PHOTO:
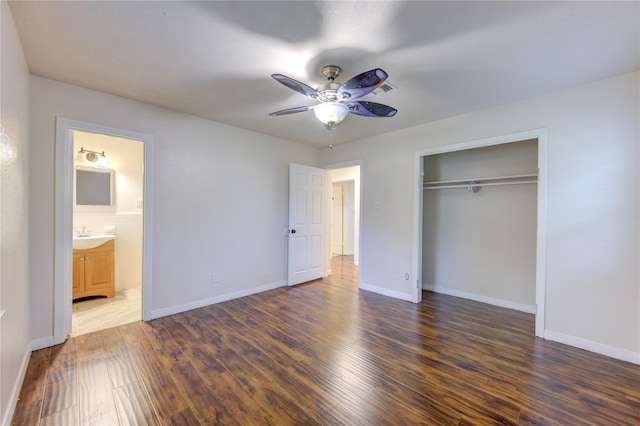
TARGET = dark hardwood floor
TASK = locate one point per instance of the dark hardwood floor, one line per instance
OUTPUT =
(327, 353)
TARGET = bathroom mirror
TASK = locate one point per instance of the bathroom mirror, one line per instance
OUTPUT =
(94, 187)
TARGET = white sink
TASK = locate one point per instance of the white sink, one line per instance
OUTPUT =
(91, 241)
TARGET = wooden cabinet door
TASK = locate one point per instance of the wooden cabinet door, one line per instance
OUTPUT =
(94, 271)
(78, 274)
(98, 273)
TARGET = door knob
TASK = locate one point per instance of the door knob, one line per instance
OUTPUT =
(293, 231)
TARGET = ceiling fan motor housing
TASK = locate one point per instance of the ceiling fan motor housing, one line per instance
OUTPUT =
(328, 92)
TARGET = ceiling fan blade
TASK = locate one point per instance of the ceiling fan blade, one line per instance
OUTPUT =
(296, 85)
(362, 84)
(292, 110)
(371, 109)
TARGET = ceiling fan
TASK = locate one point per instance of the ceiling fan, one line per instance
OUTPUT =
(337, 100)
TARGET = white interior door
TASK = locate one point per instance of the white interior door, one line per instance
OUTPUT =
(307, 187)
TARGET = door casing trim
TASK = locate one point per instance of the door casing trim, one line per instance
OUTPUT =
(63, 219)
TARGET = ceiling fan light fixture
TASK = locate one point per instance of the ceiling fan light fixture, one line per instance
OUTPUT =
(336, 99)
(331, 113)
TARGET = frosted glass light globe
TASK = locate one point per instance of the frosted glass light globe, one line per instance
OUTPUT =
(331, 112)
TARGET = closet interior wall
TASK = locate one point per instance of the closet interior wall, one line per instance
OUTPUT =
(482, 245)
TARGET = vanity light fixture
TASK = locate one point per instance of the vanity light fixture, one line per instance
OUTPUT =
(96, 157)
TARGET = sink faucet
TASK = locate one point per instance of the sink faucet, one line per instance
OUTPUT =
(84, 233)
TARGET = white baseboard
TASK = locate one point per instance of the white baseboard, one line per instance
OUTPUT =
(17, 386)
(591, 346)
(46, 342)
(530, 309)
(578, 342)
(212, 301)
(387, 292)
(42, 343)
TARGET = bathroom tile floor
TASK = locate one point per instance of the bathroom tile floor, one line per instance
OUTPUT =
(95, 314)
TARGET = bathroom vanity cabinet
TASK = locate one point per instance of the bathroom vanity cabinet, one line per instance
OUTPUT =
(94, 271)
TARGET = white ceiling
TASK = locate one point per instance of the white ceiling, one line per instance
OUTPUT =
(214, 59)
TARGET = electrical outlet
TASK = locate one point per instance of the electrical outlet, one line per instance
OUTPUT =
(215, 277)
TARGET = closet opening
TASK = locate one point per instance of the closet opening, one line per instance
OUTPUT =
(481, 222)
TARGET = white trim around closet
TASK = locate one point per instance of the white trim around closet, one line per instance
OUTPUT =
(541, 236)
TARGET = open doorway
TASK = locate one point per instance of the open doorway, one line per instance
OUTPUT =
(342, 219)
(66, 131)
(107, 271)
(344, 214)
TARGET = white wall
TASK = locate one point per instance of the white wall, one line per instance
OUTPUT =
(482, 245)
(14, 216)
(126, 158)
(220, 199)
(342, 219)
(592, 274)
(349, 216)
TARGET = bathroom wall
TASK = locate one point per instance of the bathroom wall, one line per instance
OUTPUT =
(126, 159)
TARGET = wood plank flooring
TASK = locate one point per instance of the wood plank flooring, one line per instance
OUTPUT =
(327, 353)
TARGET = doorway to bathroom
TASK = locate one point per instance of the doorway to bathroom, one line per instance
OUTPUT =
(123, 220)
(107, 271)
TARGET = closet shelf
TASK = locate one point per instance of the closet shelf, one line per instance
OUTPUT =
(474, 183)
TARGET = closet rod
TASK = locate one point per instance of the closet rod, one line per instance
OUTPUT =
(521, 177)
(477, 185)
